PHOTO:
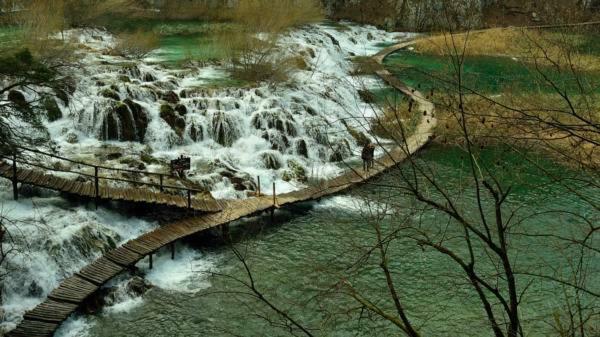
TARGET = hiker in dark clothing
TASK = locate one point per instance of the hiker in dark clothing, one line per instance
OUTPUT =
(368, 156)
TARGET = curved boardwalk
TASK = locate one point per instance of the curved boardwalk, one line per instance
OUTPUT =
(63, 301)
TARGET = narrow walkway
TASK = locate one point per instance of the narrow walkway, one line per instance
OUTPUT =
(96, 183)
(63, 301)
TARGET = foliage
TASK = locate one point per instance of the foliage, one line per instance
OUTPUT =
(276, 16)
(136, 45)
(18, 71)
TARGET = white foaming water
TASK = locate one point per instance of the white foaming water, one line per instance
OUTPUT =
(53, 240)
(187, 273)
(246, 132)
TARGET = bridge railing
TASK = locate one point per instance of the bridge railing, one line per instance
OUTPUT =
(100, 172)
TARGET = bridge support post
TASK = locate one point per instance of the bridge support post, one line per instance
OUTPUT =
(173, 250)
(225, 231)
(274, 203)
(150, 262)
(189, 199)
(14, 178)
(96, 186)
(161, 178)
(258, 185)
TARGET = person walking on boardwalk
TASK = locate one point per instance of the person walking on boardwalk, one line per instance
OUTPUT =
(368, 156)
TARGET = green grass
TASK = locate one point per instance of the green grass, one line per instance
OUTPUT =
(486, 74)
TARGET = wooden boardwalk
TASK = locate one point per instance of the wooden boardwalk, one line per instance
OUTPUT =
(186, 199)
(44, 319)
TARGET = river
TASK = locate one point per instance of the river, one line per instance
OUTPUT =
(312, 247)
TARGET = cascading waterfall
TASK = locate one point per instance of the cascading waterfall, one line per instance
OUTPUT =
(128, 108)
(172, 112)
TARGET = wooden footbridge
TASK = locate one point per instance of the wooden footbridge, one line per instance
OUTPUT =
(94, 181)
(44, 319)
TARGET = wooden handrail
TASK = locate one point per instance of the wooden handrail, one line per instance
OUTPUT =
(96, 168)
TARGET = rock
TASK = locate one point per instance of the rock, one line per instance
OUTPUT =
(110, 93)
(141, 166)
(17, 98)
(149, 77)
(310, 110)
(196, 133)
(333, 39)
(295, 172)
(171, 97)
(127, 125)
(52, 110)
(124, 78)
(110, 127)
(137, 286)
(271, 160)
(181, 109)
(172, 118)
(366, 96)
(301, 148)
(35, 290)
(140, 118)
(340, 151)
(72, 138)
(224, 128)
(114, 155)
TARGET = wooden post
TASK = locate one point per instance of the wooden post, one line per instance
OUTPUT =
(274, 203)
(225, 231)
(14, 180)
(96, 185)
(173, 250)
(189, 199)
(258, 179)
(161, 183)
(151, 264)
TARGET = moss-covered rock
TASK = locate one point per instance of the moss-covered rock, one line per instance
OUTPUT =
(140, 118)
(110, 93)
(295, 172)
(52, 109)
(169, 115)
(271, 160)
(171, 97)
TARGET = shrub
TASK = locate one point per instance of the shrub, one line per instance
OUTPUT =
(136, 45)
(276, 16)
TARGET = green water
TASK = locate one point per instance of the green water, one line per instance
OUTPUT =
(484, 74)
(314, 246)
(192, 47)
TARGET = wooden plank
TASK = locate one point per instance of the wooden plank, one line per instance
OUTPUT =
(140, 247)
(100, 271)
(31, 328)
(51, 311)
(123, 256)
(74, 289)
